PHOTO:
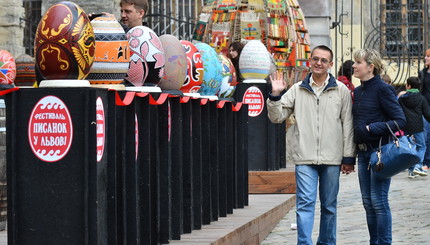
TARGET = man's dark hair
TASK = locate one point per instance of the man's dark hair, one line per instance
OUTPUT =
(414, 82)
(323, 47)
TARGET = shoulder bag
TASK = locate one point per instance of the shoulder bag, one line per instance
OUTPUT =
(397, 155)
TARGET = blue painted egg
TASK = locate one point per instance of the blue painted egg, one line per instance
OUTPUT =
(212, 70)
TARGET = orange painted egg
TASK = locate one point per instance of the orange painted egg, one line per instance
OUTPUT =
(7, 68)
(25, 73)
(195, 70)
(112, 55)
(64, 45)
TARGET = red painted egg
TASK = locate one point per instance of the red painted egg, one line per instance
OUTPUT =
(147, 57)
(7, 68)
(195, 70)
(25, 73)
(64, 45)
(176, 63)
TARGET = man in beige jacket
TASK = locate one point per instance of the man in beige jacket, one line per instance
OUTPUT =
(322, 143)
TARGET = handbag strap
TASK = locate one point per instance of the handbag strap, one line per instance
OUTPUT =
(391, 131)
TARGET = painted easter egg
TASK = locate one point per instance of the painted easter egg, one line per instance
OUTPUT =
(255, 61)
(25, 70)
(212, 70)
(195, 71)
(176, 63)
(229, 80)
(64, 44)
(146, 57)
(7, 68)
(112, 54)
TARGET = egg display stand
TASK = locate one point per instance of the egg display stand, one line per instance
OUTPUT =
(254, 81)
(109, 86)
(145, 89)
(64, 83)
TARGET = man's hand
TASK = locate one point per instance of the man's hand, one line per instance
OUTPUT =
(347, 168)
(278, 83)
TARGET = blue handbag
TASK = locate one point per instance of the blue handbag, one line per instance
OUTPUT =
(397, 155)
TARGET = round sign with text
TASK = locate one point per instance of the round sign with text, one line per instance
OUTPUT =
(100, 129)
(254, 98)
(50, 129)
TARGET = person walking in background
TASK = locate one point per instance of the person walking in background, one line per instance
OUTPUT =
(234, 51)
(132, 13)
(425, 91)
(415, 107)
(386, 78)
(345, 75)
(323, 141)
(375, 106)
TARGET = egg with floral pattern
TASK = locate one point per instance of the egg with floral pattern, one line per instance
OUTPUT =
(64, 44)
(146, 57)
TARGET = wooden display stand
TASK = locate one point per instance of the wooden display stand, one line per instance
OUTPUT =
(272, 182)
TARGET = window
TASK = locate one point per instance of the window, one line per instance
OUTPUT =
(403, 28)
(30, 22)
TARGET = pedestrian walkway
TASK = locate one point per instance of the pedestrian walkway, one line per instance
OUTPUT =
(410, 208)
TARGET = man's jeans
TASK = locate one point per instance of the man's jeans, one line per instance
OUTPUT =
(420, 140)
(307, 179)
(374, 193)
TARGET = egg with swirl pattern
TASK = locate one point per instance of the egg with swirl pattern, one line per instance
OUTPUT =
(64, 45)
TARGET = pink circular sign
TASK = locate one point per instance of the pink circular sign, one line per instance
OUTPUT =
(50, 129)
(254, 98)
(100, 129)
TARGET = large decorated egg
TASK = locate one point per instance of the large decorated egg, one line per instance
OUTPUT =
(112, 55)
(146, 57)
(213, 71)
(255, 61)
(64, 45)
(25, 71)
(229, 80)
(7, 68)
(176, 63)
(195, 71)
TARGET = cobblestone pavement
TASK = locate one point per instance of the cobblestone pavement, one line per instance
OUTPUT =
(410, 209)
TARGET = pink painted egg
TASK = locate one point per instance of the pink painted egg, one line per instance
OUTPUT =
(112, 54)
(195, 70)
(229, 80)
(7, 68)
(64, 44)
(25, 70)
(176, 63)
(146, 57)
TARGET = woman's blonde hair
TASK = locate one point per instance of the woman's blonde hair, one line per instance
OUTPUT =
(371, 56)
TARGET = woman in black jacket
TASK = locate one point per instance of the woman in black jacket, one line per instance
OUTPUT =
(375, 106)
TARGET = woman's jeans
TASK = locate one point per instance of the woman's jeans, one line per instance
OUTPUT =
(374, 193)
(307, 179)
